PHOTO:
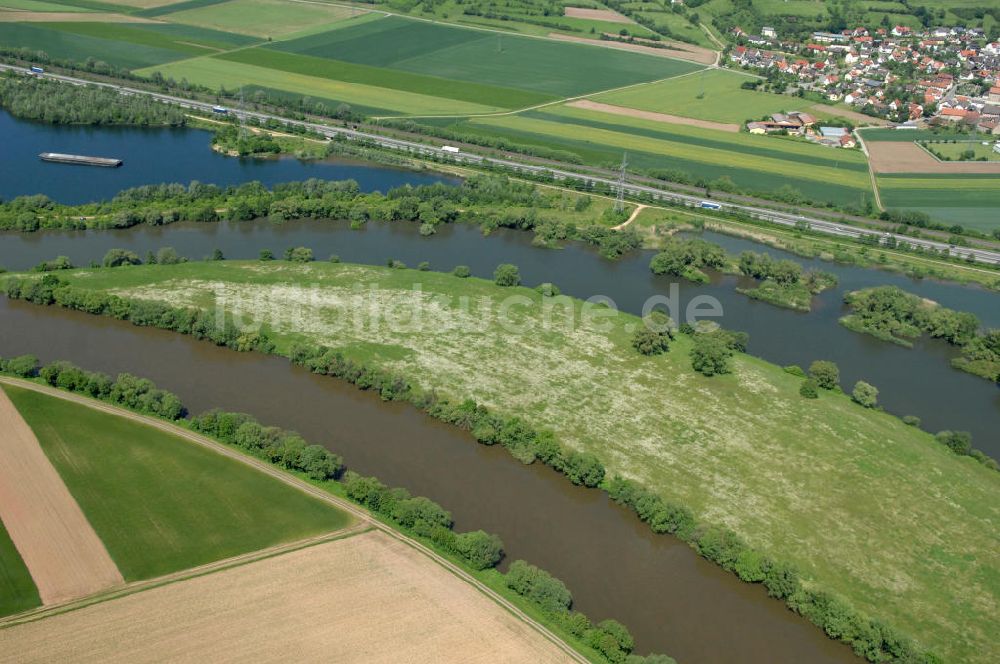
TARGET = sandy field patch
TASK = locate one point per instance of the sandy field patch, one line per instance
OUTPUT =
(58, 545)
(677, 50)
(908, 157)
(367, 598)
(14, 16)
(589, 105)
(596, 14)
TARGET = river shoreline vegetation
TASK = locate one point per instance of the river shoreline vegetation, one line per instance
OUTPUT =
(783, 282)
(889, 313)
(534, 589)
(831, 586)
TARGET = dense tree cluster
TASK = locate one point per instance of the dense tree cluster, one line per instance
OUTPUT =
(684, 258)
(712, 350)
(891, 314)
(49, 101)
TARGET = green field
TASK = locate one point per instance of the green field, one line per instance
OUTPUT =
(967, 199)
(863, 504)
(262, 18)
(216, 73)
(17, 590)
(710, 95)
(160, 503)
(474, 56)
(63, 43)
(40, 6)
(755, 163)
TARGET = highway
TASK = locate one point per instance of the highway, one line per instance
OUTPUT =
(638, 190)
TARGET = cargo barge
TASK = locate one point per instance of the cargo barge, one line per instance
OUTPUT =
(80, 159)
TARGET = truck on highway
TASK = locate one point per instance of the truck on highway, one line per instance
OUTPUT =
(221, 110)
(709, 205)
(449, 148)
(37, 70)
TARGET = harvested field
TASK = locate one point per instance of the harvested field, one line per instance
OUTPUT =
(64, 17)
(908, 157)
(859, 118)
(58, 545)
(677, 50)
(596, 14)
(365, 598)
(589, 105)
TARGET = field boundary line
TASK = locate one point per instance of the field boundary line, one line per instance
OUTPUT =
(306, 487)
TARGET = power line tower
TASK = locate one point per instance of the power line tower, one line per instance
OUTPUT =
(241, 117)
(620, 200)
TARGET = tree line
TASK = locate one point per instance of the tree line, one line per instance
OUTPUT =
(490, 201)
(869, 638)
(58, 103)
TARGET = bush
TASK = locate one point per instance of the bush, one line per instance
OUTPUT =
(710, 354)
(117, 257)
(808, 389)
(648, 342)
(507, 275)
(462, 271)
(959, 442)
(424, 266)
(583, 468)
(548, 290)
(266, 255)
(911, 420)
(825, 373)
(480, 549)
(299, 254)
(168, 256)
(865, 394)
(795, 370)
(334, 258)
(539, 586)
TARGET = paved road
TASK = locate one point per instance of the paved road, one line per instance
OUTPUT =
(360, 514)
(781, 218)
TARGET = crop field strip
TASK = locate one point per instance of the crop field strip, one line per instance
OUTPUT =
(259, 18)
(969, 199)
(810, 509)
(721, 98)
(64, 555)
(144, 490)
(753, 163)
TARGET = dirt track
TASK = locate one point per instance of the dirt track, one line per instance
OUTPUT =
(908, 157)
(365, 598)
(596, 14)
(60, 548)
(651, 115)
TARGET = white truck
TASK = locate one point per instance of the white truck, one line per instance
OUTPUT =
(449, 148)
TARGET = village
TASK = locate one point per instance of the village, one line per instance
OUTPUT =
(939, 77)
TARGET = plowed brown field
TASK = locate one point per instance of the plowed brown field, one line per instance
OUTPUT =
(367, 598)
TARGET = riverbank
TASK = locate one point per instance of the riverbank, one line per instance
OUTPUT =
(837, 503)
